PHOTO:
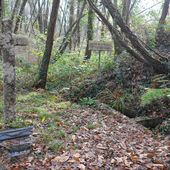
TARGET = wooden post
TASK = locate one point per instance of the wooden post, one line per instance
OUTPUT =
(99, 67)
(8, 71)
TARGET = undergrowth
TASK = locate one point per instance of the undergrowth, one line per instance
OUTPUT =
(153, 94)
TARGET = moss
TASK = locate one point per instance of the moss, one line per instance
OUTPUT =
(152, 94)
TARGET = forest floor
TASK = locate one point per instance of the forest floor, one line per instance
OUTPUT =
(76, 137)
(72, 131)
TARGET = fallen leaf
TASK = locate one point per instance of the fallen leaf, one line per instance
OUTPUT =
(73, 138)
(113, 161)
(151, 154)
(76, 157)
(82, 167)
(60, 159)
(134, 158)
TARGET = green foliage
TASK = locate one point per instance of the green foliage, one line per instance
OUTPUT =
(91, 126)
(55, 145)
(87, 101)
(75, 129)
(165, 128)
(152, 94)
(61, 134)
(19, 122)
(121, 102)
(71, 68)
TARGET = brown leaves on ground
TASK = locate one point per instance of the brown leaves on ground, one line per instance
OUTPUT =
(114, 142)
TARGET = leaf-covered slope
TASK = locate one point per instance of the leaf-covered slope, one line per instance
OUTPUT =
(104, 141)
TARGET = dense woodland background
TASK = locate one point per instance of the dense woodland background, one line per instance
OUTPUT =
(88, 112)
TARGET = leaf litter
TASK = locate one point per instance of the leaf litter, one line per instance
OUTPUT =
(115, 142)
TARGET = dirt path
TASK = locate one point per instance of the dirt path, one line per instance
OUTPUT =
(104, 142)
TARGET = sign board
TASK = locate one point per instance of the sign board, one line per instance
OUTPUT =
(100, 46)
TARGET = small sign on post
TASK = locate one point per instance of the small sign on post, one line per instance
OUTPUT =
(100, 46)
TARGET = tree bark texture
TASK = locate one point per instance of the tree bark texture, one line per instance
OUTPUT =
(136, 43)
(90, 31)
(8, 71)
(42, 79)
(15, 9)
(138, 51)
(71, 31)
(19, 17)
(163, 35)
(126, 11)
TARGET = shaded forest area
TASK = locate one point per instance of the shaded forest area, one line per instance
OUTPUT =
(85, 84)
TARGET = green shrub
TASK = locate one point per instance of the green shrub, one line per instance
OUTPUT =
(152, 94)
(87, 101)
(165, 128)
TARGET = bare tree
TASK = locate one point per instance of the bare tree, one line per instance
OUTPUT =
(19, 17)
(15, 9)
(126, 10)
(90, 32)
(42, 78)
(71, 31)
(1, 11)
(71, 20)
(163, 37)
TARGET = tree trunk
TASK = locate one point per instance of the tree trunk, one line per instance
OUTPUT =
(20, 16)
(78, 32)
(126, 11)
(136, 43)
(117, 46)
(40, 17)
(1, 10)
(71, 21)
(46, 16)
(90, 32)
(15, 9)
(42, 79)
(71, 31)
(163, 36)
(141, 52)
(9, 72)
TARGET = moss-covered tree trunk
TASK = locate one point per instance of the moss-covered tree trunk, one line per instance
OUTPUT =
(90, 32)
(8, 71)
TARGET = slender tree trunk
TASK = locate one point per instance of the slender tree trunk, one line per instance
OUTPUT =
(1, 12)
(90, 32)
(117, 46)
(71, 21)
(126, 11)
(162, 36)
(46, 16)
(42, 79)
(19, 17)
(40, 17)
(71, 31)
(1, 17)
(78, 32)
(15, 9)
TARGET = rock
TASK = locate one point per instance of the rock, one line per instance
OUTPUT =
(149, 122)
